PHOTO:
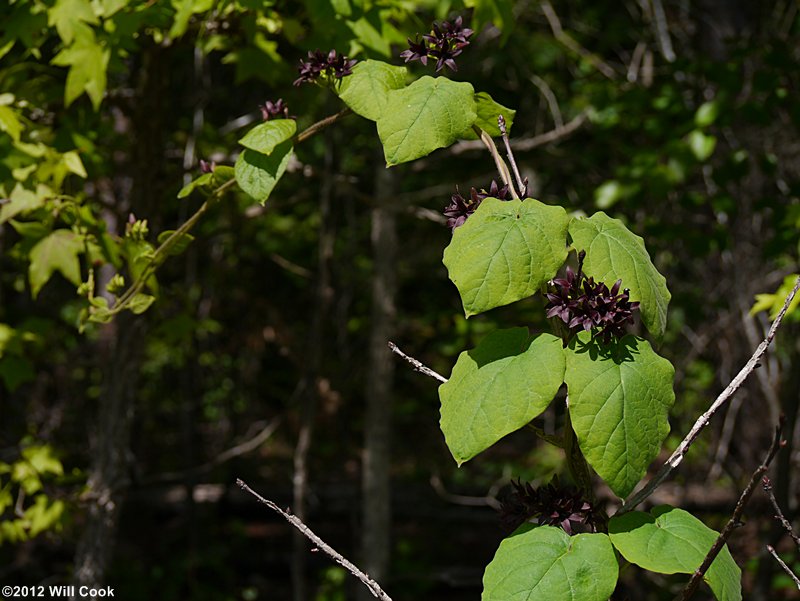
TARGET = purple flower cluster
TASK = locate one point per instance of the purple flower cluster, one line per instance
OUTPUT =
(460, 208)
(550, 505)
(442, 44)
(274, 109)
(582, 303)
(319, 63)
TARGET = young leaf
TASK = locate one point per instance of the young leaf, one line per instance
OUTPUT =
(365, 90)
(614, 252)
(673, 541)
(57, 252)
(505, 251)
(199, 182)
(488, 110)
(428, 114)
(619, 401)
(179, 245)
(265, 137)
(546, 563)
(20, 201)
(498, 387)
(258, 173)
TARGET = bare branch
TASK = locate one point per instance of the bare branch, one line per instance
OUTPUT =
(418, 365)
(778, 513)
(677, 456)
(786, 568)
(373, 586)
(552, 102)
(524, 144)
(735, 520)
(662, 31)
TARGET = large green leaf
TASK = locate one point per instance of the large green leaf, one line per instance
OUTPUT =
(57, 252)
(619, 401)
(673, 541)
(265, 137)
(498, 387)
(546, 563)
(613, 252)
(258, 173)
(428, 114)
(365, 90)
(87, 61)
(488, 110)
(505, 251)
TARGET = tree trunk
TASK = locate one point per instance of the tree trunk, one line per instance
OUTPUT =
(376, 484)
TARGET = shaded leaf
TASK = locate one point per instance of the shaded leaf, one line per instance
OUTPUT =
(258, 173)
(57, 252)
(265, 137)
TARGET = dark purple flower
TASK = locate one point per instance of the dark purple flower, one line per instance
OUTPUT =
(206, 167)
(443, 44)
(274, 109)
(584, 304)
(551, 505)
(319, 63)
(460, 208)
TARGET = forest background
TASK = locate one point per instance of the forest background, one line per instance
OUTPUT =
(264, 355)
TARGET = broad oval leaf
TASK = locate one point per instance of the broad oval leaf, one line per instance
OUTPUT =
(365, 90)
(614, 252)
(258, 173)
(546, 563)
(619, 401)
(505, 252)
(497, 388)
(673, 541)
(266, 137)
(488, 110)
(426, 115)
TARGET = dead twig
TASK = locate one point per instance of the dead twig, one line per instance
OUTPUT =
(417, 365)
(767, 485)
(786, 568)
(735, 520)
(373, 586)
(677, 456)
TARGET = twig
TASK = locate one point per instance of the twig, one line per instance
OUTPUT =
(568, 41)
(522, 185)
(322, 124)
(464, 500)
(502, 168)
(662, 31)
(677, 456)
(373, 586)
(524, 144)
(778, 513)
(735, 520)
(417, 365)
(786, 568)
(552, 101)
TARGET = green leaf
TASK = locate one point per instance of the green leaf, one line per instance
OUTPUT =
(701, 145)
(141, 303)
(613, 252)
(428, 114)
(673, 541)
(43, 460)
(88, 62)
(707, 113)
(497, 388)
(57, 252)
(199, 182)
(264, 138)
(73, 162)
(9, 122)
(366, 90)
(488, 110)
(258, 173)
(505, 251)
(619, 401)
(179, 245)
(20, 201)
(68, 15)
(546, 563)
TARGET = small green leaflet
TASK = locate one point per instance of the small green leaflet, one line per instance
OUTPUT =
(673, 541)
(22, 200)
(9, 122)
(546, 563)
(488, 110)
(619, 401)
(57, 252)
(428, 114)
(68, 15)
(258, 173)
(365, 91)
(614, 252)
(264, 138)
(497, 388)
(505, 252)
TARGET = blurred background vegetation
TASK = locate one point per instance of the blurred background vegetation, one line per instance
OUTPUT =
(264, 356)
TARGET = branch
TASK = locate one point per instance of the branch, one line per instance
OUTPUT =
(502, 168)
(524, 144)
(417, 365)
(778, 513)
(786, 568)
(677, 456)
(373, 586)
(735, 520)
(319, 125)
